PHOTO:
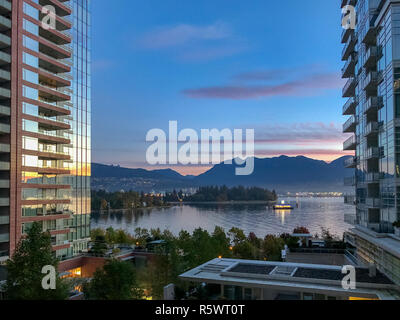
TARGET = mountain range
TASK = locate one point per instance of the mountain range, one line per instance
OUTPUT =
(283, 174)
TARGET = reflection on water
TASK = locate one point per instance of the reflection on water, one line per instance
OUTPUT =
(312, 213)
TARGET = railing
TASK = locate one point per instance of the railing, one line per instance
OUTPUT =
(373, 103)
(4, 237)
(350, 162)
(350, 102)
(350, 199)
(350, 219)
(350, 82)
(4, 219)
(349, 61)
(350, 181)
(372, 177)
(373, 202)
(350, 122)
(371, 79)
(349, 142)
(372, 127)
(373, 152)
(349, 44)
(371, 53)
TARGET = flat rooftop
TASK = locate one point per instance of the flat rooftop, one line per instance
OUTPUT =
(291, 276)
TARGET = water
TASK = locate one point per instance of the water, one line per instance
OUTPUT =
(312, 213)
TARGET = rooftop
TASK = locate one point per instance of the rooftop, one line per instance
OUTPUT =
(291, 276)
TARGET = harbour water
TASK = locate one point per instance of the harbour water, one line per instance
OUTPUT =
(312, 213)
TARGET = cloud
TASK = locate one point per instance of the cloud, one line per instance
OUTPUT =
(191, 43)
(307, 86)
(166, 37)
(301, 134)
(102, 64)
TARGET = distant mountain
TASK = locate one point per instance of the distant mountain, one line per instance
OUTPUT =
(284, 174)
(116, 178)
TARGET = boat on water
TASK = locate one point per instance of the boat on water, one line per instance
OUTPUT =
(283, 206)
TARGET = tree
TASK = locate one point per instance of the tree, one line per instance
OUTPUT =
(99, 248)
(116, 281)
(24, 280)
(301, 230)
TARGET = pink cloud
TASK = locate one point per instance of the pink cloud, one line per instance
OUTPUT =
(310, 85)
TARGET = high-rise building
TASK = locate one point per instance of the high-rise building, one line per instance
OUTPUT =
(45, 108)
(372, 67)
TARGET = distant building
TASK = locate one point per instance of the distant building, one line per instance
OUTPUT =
(372, 68)
(258, 280)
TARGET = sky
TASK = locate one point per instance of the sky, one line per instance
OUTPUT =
(271, 66)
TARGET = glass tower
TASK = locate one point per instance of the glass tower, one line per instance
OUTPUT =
(45, 109)
(371, 56)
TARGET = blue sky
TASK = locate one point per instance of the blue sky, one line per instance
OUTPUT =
(269, 65)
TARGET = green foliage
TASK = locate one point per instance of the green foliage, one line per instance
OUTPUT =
(100, 247)
(102, 200)
(115, 281)
(221, 194)
(24, 281)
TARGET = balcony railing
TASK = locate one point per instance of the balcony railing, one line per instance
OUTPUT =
(350, 106)
(4, 237)
(373, 152)
(371, 80)
(350, 143)
(349, 46)
(372, 177)
(351, 162)
(349, 88)
(4, 219)
(372, 128)
(350, 124)
(348, 69)
(371, 56)
(373, 104)
(373, 202)
(350, 219)
(350, 181)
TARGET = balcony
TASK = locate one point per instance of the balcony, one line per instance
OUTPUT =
(350, 181)
(348, 2)
(370, 35)
(4, 202)
(4, 237)
(349, 88)
(373, 104)
(371, 129)
(372, 153)
(62, 8)
(350, 144)
(349, 107)
(348, 69)
(371, 81)
(5, 148)
(351, 162)
(371, 57)
(372, 177)
(5, 7)
(4, 220)
(350, 219)
(349, 46)
(373, 202)
(350, 125)
(4, 184)
(4, 128)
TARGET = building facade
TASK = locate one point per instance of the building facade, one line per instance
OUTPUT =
(371, 56)
(45, 109)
